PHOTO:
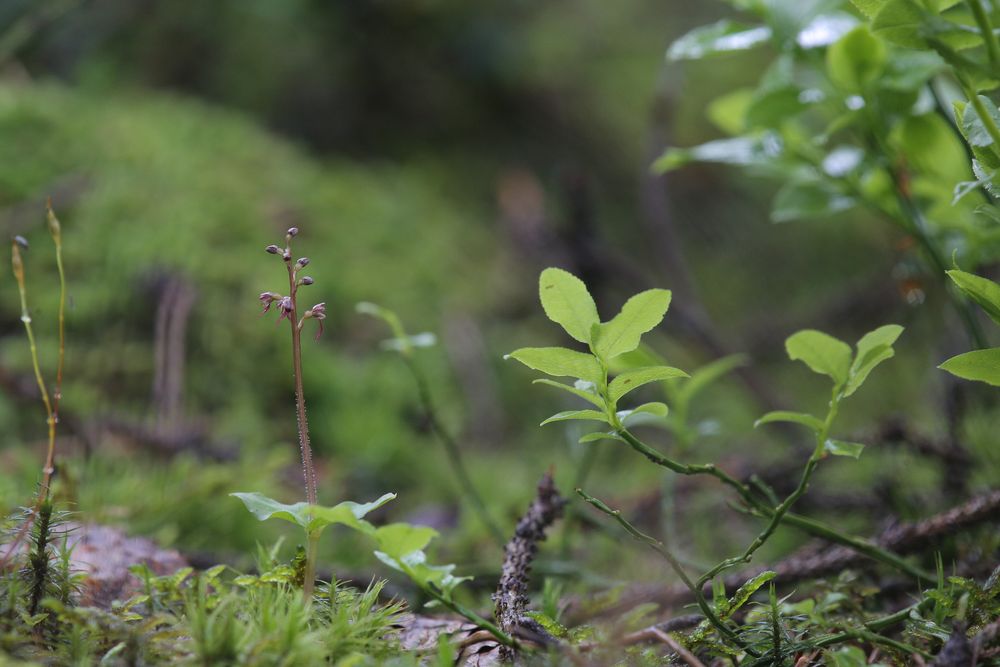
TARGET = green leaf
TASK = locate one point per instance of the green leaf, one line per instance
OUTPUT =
(744, 151)
(856, 60)
(809, 198)
(657, 411)
(873, 348)
(567, 415)
(846, 656)
(629, 380)
(744, 592)
(400, 546)
(561, 362)
(313, 518)
(821, 352)
(567, 302)
(806, 420)
(384, 314)
(900, 21)
(869, 7)
(722, 37)
(709, 373)
(397, 540)
(983, 291)
(976, 134)
(978, 365)
(639, 314)
(586, 394)
(843, 448)
(729, 111)
(931, 146)
(600, 435)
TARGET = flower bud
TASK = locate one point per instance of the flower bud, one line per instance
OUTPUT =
(303, 261)
(272, 249)
(55, 229)
(292, 231)
(306, 280)
(21, 241)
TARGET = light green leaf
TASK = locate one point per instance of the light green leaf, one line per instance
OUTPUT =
(728, 112)
(979, 365)
(560, 361)
(629, 380)
(744, 592)
(655, 410)
(821, 352)
(983, 291)
(576, 391)
(400, 539)
(846, 656)
(600, 435)
(567, 302)
(400, 546)
(709, 373)
(744, 151)
(639, 314)
(856, 60)
(567, 415)
(722, 37)
(809, 198)
(384, 314)
(843, 448)
(899, 21)
(802, 418)
(869, 7)
(873, 348)
(313, 518)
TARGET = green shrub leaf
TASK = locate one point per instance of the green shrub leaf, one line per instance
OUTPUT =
(600, 435)
(561, 362)
(639, 314)
(576, 390)
(856, 59)
(983, 291)
(629, 380)
(722, 37)
(873, 348)
(802, 418)
(821, 352)
(647, 412)
(567, 415)
(843, 448)
(978, 365)
(567, 302)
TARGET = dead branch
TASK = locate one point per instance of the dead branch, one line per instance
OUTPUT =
(511, 597)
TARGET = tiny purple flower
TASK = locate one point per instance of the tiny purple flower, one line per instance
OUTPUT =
(285, 308)
(318, 313)
(267, 298)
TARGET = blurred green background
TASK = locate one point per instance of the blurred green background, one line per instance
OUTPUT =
(436, 155)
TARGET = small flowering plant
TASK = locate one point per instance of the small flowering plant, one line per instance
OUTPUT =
(398, 545)
(310, 516)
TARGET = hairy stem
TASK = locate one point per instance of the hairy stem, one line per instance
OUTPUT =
(308, 471)
(309, 578)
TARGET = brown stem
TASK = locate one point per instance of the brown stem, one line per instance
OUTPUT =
(308, 471)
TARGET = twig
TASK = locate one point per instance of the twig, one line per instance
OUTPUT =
(675, 565)
(817, 563)
(511, 597)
